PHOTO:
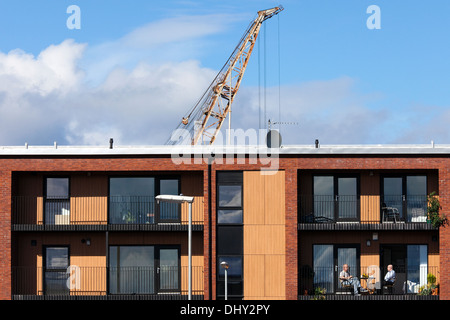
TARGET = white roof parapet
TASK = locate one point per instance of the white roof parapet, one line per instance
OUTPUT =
(29, 150)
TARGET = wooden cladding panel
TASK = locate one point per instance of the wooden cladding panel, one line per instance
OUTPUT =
(264, 235)
(192, 185)
(89, 199)
(254, 203)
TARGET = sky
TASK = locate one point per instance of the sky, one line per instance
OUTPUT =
(133, 68)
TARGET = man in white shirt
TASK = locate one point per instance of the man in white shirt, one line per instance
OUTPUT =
(389, 278)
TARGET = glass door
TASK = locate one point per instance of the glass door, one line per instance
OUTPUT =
(56, 271)
(345, 256)
(416, 198)
(393, 199)
(324, 204)
(404, 198)
(336, 198)
(168, 270)
(323, 267)
(169, 212)
(131, 269)
(347, 196)
(328, 262)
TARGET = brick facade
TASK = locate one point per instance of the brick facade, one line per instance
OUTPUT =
(291, 165)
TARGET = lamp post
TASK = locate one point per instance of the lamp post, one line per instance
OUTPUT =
(181, 199)
(224, 265)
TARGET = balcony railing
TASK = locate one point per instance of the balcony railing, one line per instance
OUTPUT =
(409, 281)
(366, 209)
(113, 210)
(105, 281)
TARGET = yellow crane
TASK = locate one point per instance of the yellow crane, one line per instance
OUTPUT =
(203, 122)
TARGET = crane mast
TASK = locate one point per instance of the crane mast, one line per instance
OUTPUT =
(205, 119)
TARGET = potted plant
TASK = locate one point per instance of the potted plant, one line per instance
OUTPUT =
(319, 293)
(434, 217)
(431, 288)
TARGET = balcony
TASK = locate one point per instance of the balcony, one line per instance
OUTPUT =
(34, 213)
(103, 283)
(415, 283)
(365, 212)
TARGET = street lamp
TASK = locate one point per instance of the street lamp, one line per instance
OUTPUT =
(224, 265)
(182, 199)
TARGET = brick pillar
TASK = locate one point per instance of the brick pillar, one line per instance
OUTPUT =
(5, 235)
(291, 235)
(444, 235)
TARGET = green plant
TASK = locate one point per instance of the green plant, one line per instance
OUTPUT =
(431, 279)
(436, 219)
(129, 217)
(430, 287)
(319, 293)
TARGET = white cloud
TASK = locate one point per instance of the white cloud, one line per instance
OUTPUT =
(144, 84)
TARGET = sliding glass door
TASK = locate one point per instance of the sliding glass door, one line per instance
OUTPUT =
(410, 263)
(405, 198)
(144, 269)
(328, 262)
(336, 198)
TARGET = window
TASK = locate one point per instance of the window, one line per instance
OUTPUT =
(57, 201)
(336, 197)
(404, 198)
(55, 270)
(230, 196)
(410, 263)
(169, 212)
(132, 200)
(144, 269)
(328, 261)
(230, 232)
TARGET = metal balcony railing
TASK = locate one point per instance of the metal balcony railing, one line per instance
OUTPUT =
(104, 281)
(367, 209)
(415, 280)
(113, 210)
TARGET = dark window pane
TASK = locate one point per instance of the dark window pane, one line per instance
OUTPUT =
(57, 188)
(56, 283)
(234, 267)
(393, 195)
(230, 240)
(57, 258)
(234, 288)
(169, 271)
(229, 216)
(139, 186)
(230, 177)
(169, 211)
(169, 186)
(132, 269)
(230, 196)
(131, 200)
(324, 197)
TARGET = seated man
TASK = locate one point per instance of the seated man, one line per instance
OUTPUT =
(346, 278)
(389, 278)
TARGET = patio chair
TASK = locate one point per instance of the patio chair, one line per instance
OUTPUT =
(389, 287)
(390, 213)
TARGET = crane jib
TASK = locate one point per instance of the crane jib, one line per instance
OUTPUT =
(214, 105)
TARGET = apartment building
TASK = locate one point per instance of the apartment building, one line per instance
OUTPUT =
(83, 222)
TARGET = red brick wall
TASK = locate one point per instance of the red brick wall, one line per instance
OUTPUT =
(5, 235)
(290, 165)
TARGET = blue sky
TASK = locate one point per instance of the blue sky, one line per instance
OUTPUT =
(342, 82)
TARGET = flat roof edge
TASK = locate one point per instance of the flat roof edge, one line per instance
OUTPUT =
(219, 149)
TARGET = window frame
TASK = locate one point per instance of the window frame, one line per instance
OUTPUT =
(157, 189)
(53, 270)
(55, 199)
